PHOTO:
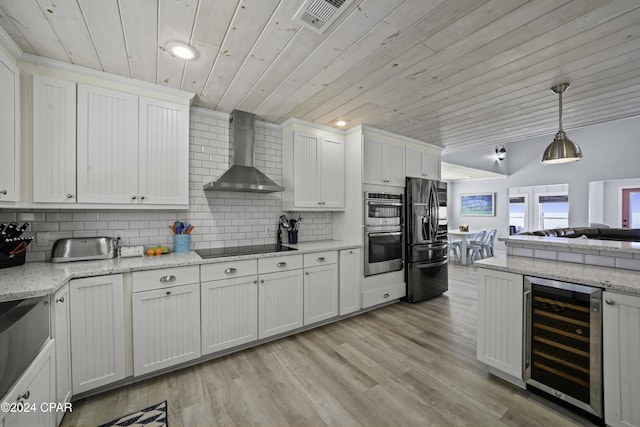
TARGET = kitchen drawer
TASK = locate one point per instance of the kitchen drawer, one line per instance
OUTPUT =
(165, 277)
(280, 263)
(384, 294)
(229, 269)
(320, 258)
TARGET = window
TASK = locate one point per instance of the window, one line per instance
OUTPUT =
(518, 213)
(554, 211)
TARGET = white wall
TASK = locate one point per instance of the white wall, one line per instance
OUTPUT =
(612, 195)
(220, 218)
(611, 151)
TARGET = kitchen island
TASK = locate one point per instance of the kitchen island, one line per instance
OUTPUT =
(505, 321)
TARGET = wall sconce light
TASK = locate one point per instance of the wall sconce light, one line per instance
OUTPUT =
(501, 153)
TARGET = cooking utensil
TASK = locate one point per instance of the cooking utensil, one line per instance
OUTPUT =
(285, 222)
(298, 222)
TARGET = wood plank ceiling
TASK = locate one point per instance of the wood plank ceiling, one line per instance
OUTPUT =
(457, 73)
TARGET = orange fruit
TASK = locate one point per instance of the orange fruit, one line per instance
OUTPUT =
(158, 251)
(151, 252)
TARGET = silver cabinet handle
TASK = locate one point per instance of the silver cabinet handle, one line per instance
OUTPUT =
(282, 264)
(170, 278)
(61, 299)
(386, 296)
(231, 270)
(141, 197)
(134, 197)
(321, 259)
(3, 192)
(69, 196)
(610, 302)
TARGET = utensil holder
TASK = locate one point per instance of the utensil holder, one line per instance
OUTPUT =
(181, 243)
(293, 236)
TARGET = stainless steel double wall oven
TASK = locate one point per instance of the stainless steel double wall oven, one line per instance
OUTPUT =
(382, 232)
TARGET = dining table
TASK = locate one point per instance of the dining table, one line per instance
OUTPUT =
(464, 236)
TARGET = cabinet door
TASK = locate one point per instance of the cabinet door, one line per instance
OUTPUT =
(394, 164)
(35, 387)
(320, 293)
(280, 302)
(166, 327)
(332, 172)
(63, 348)
(107, 146)
(97, 332)
(373, 158)
(54, 140)
(350, 275)
(500, 337)
(430, 165)
(621, 347)
(413, 162)
(163, 153)
(306, 192)
(229, 313)
(9, 131)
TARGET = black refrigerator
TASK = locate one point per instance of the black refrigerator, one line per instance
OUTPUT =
(426, 273)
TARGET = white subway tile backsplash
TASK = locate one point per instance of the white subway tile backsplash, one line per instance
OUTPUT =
(221, 218)
(543, 254)
(628, 263)
(604, 261)
(571, 257)
(526, 252)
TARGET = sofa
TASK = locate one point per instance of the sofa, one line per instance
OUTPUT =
(621, 234)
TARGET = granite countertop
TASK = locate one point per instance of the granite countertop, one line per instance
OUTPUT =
(43, 278)
(577, 243)
(614, 279)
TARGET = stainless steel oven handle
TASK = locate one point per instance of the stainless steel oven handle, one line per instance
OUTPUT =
(526, 307)
(380, 202)
(393, 233)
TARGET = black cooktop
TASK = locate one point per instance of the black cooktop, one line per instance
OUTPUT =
(242, 250)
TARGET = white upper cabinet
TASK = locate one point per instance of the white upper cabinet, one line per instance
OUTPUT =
(131, 150)
(9, 131)
(313, 168)
(54, 140)
(107, 146)
(163, 153)
(383, 161)
(422, 162)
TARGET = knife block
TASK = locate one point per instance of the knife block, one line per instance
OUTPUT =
(7, 261)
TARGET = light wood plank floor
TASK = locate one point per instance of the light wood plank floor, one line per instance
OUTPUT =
(401, 365)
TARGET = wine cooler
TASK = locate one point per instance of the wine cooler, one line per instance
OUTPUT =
(563, 342)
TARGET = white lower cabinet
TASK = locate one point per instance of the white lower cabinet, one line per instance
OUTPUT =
(349, 283)
(320, 293)
(621, 359)
(166, 327)
(35, 387)
(63, 347)
(280, 302)
(500, 321)
(229, 311)
(97, 332)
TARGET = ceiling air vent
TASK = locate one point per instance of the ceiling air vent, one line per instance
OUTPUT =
(317, 15)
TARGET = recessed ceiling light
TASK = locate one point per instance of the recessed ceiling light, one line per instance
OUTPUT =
(341, 123)
(182, 50)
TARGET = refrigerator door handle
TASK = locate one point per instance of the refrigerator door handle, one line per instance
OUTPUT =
(430, 264)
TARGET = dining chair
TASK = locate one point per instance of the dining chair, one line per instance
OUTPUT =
(455, 246)
(474, 247)
(487, 244)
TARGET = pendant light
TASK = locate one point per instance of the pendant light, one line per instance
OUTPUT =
(562, 149)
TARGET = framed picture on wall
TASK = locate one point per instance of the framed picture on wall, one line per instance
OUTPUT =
(483, 204)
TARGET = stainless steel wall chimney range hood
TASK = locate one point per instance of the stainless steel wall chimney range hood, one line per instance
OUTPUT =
(243, 175)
